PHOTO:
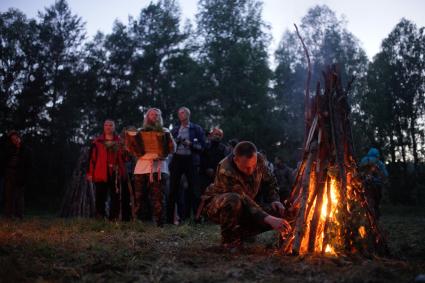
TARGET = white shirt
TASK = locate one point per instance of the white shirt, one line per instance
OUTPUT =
(183, 135)
(148, 163)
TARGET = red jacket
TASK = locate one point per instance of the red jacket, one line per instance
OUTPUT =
(101, 158)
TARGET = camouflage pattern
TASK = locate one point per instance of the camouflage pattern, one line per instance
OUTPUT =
(239, 203)
(149, 197)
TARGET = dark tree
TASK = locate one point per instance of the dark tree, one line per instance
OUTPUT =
(394, 102)
(234, 55)
(162, 61)
(328, 41)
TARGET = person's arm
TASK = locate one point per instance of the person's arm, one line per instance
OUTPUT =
(91, 162)
(383, 168)
(198, 142)
(172, 146)
(201, 138)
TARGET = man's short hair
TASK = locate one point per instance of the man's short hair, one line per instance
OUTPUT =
(245, 148)
(217, 130)
(185, 109)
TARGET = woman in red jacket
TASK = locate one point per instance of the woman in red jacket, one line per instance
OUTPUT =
(107, 170)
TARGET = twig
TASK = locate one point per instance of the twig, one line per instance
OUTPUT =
(307, 83)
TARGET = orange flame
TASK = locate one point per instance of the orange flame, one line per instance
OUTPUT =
(329, 250)
(362, 231)
(325, 215)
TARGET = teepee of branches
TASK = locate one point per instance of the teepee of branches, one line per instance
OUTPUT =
(329, 212)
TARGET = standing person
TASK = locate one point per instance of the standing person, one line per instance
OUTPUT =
(375, 175)
(214, 152)
(16, 165)
(285, 178)
(186, 161)
(151, 171)
(268, 162)
(127, 192)
(3, 142)
(243, 198)
(107, 170)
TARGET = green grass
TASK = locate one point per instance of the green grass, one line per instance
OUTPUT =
(50, 249)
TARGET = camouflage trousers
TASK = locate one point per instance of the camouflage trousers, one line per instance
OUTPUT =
(237, 218)
(149, 197)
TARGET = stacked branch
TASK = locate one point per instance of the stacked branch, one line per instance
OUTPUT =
(329, 211)
(79, 199)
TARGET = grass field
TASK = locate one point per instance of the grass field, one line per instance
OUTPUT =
(51, 249)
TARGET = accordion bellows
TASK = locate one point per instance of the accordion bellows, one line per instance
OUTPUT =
(143, 142)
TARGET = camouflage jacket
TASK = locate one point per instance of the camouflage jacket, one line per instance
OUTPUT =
(258, 190)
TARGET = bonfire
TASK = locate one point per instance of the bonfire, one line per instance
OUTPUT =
(328, 211)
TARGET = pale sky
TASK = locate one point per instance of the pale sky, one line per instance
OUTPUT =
(369, 20)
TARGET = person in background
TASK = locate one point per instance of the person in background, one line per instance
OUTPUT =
(151, 170)
(268, 162)
(3, 142)
(284, 176)
(214, 152)
(15, 168)
(190, 140)
(127, 192)
(107, 170)
(375, 176)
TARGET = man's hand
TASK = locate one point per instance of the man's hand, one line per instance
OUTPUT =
(278, 224)
(278, 207)
(187, 143)
(89, 178)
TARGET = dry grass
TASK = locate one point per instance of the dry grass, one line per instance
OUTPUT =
(48, 249)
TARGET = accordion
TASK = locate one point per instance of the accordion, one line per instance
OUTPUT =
(143, 142)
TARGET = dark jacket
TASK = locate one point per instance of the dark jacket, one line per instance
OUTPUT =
(214, 152)
(197, 138)
(285, 178)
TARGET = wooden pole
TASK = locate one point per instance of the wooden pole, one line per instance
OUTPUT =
(300, 224)
(307, 116)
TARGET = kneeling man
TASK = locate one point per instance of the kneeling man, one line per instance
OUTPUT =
(244, 197)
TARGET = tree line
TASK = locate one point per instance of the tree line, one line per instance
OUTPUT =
(57, 86)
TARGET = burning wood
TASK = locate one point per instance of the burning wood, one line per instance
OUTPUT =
(329, 211)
